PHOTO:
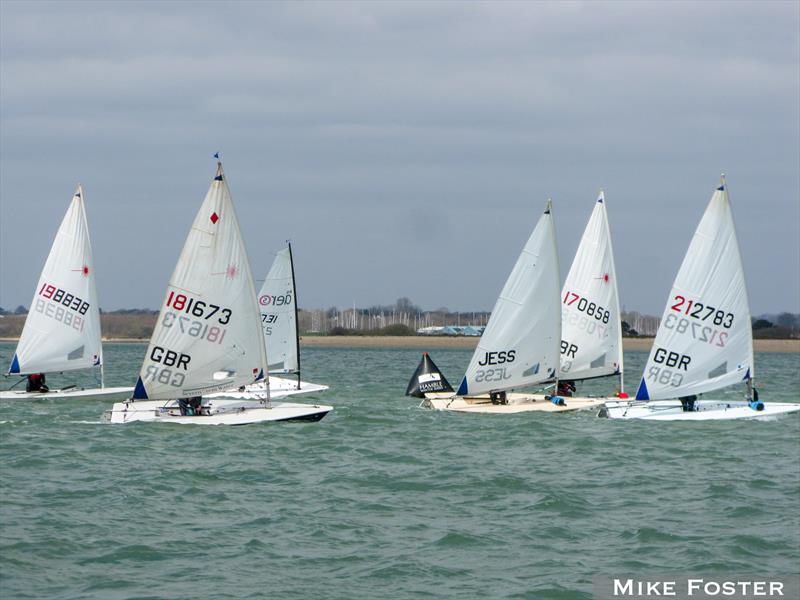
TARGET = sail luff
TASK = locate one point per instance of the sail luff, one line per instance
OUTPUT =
(97, 356)
(749, 329)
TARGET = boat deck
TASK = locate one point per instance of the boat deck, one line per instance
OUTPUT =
(517, 402)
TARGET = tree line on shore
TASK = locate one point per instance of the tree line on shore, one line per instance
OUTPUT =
(398, 319)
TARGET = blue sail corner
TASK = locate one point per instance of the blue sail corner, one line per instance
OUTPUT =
(642, 393)
(462, 389)
(14, 365)
(139, 393)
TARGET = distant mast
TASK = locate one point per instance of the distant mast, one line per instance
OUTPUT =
(296, 312)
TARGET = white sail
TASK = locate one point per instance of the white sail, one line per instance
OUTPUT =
(591, 335)
(705, 339)
(207, 336)
(520, 345)
(278, 318)
(62, 330)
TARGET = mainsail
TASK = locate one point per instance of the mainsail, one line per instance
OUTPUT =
(591, 336)
(277, 302)
(62, 330)
(520, 345)
(705, 339)
(207, 337)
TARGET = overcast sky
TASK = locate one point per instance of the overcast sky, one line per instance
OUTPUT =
(407, 149)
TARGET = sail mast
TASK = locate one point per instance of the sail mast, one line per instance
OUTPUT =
(558, 275)
(618, 321)
(296, 313)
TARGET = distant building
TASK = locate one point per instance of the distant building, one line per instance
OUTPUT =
(466, 330)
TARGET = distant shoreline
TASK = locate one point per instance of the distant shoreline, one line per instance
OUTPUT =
(422, 342)
(425, 342)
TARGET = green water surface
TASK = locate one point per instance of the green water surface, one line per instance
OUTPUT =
(383, 499)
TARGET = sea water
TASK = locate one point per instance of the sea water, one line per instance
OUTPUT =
(382, 499)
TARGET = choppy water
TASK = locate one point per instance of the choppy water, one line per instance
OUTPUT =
(385, 500)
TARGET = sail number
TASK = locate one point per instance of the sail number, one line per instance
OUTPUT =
(267, 320)
(700, 332)
(59, 296)
(48, 309)
(584, 323)
(198, 308)
(197, 329)
(495, 358)
(702, 312)
(268, 299)
(489, 375)
(590, 308)
(167, 358)
(568, 351)
(667, 358)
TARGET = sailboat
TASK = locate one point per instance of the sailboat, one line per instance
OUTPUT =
(705, 340)
(62, 329)
(521, 345)
(277, 302)
(591, 331)
(208, 336)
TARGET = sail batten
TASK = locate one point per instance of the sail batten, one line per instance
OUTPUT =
(520, 345)
(62, 329)
(704, 342)
(590, 315)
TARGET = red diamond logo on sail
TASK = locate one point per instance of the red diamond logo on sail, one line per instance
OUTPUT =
(85, 270)
(214, 218)
(232, 271)
(605, 277)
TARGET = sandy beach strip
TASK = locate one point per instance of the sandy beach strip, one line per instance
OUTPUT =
(426, 342)
(423, 342)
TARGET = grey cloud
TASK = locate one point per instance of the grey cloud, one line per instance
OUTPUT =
(339, 120)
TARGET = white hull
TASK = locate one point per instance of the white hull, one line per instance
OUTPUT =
(108, 393)
(517, 403)
(278, 388)
(216, 412)
(705, 410)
